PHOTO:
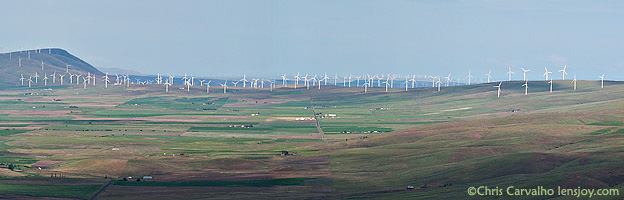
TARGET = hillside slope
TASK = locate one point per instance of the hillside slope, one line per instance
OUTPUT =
(54, 60)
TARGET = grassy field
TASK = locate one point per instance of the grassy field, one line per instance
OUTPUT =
(374, 144)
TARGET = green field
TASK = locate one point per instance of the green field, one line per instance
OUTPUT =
(373, 144)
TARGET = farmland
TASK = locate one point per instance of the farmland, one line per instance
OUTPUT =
(373, 144)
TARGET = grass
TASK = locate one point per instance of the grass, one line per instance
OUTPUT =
(66, 191)
(247, 183)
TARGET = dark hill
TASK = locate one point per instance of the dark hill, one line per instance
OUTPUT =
(54, 60)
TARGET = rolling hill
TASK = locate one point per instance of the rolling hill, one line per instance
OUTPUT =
(54, 60)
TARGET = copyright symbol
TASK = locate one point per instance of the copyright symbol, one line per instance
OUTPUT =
(472, 191)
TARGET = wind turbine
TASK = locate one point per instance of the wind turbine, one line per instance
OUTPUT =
(489, 75)
(602, 81)
(19, 61)
(326, 78)
(526, 87)
(41, 65)
(167, 86)
(563, 71)
(61, 76)
(208, 86)
(54, 77)
(574, 82)
(469, 77)
(297, 77)
(283, 80)
(29, 81)
(224, 87)
(36, 77)
(439, 84)
(106, 81)
(434, 79)
(386, 83)
(406, 83)
(413, 80)
(551, 85)
(366, 86)
(170, 78)
(448, 78)
(244, 80)
(235, 83)
(336, 79)
(524, 73)
(22, 79)
(45, 79)
(67, 67)
(546, 73)
(499, 88)
(510, 73)
(84, 82)
(358, 81)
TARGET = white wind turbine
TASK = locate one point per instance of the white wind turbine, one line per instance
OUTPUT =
(106, 80)
(498, 87)
(224, 87)
(78, 79)
(36, 77)
(433, 79)
(326, 78)
(439, 84)
(67, 68)
(406, 83)
(469, 77)
(526, 87)
(336, 79)
(201, 83)
(244, 80)
(297, 78)
(54, 77)
(22, 79)
(30, 81)
(45, 79)
(563, 71)
(305, 81)
(84, 82)
(170, 78)
(358, 81)
(546, 73)
(208, 86)
(448, 78)
(574, 82)
(366, 86)
(41, 65)
(489, 75)
(386, 83)
(551, 85)
(314, 80)
(235, 83)
(524, 71)
(510, 73)
(61, 76)
(601, 81)
(413, 80)
(167, 86)
(284, 80)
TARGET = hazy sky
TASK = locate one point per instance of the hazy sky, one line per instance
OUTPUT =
(345, 37)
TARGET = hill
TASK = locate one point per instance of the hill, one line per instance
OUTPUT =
(29, 62)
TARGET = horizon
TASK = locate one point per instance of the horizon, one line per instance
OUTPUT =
(263, 39)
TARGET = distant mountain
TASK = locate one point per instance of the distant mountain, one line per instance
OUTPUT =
(53, 59)
(120, 71)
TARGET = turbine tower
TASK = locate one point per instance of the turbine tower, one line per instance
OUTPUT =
(551, 85)
(448, 78)
(224, 87)
(602, 81)
(61, 76)
(208, 86)
(45, 79)
(489, 75)
(469, 77)
(574, 82)
(244, 80)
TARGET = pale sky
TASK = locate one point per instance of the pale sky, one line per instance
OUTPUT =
(345, 37)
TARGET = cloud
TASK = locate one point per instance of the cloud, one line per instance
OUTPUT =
(557, 60)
